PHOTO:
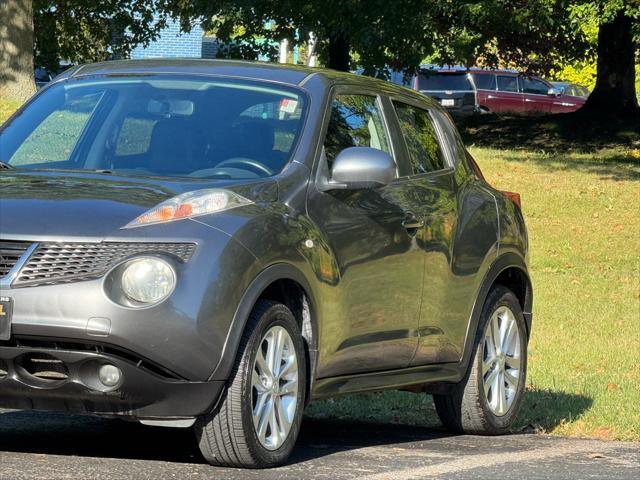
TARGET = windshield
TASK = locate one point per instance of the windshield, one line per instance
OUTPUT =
(157, 126)
(444, 81)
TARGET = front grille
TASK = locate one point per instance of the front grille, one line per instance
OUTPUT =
(54, 263)
(10, 253)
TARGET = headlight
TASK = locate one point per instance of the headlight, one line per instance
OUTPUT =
(148, 280)
(189, 205)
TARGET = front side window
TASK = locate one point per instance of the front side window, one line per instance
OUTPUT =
(421, 139)
(536, 87)
(507, 83)
(356, 121)
(174, 126)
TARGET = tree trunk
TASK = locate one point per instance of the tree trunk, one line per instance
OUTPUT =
(339, 57)
(16, 49)
(615, 91)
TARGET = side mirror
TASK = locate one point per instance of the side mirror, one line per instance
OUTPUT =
(358, 168)
(554, 92)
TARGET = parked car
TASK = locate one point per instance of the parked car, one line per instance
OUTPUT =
(215, 244)
(466, 91)
(572, 89)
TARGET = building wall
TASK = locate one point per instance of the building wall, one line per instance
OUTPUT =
(173, 43)
(210, 47)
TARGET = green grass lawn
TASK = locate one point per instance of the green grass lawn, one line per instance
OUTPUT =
(582, 205)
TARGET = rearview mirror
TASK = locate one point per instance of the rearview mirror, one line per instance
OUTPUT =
(554, 92)
(357, 168)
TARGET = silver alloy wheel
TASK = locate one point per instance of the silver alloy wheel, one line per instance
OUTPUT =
(274, 386)
(501, 366)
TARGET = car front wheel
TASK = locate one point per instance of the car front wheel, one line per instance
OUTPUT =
(258, 419)
(488, 400)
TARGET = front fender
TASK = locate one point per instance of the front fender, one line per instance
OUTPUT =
(278, 271)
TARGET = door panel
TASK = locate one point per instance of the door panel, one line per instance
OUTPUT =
(507, 98)
(433, 193)
(370, 318)
(535, 95)
(437, 328)
(372, 324)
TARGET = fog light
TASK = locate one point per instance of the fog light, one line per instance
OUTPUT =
(148, 280)
(109, 375)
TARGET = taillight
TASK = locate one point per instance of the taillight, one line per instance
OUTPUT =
(514, 197)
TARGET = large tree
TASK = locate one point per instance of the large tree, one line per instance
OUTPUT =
(617, 48)
(16, 49)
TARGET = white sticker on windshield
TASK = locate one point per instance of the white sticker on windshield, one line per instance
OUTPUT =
(288, 106)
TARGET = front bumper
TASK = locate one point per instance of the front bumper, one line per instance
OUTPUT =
(185, 334)
(55, 377)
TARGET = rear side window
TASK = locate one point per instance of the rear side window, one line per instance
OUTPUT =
(507, 83)
(537, 87)
(421, 139)
(484, 81)
(444, 81)
(356, 121)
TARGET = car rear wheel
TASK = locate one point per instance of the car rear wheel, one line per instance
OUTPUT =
(487, 401)
(258, 419)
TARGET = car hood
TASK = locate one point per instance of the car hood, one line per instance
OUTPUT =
(38, 205)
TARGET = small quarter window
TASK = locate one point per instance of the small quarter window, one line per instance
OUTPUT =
(420, 136)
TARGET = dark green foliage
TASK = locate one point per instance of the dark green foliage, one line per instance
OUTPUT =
(84, 31)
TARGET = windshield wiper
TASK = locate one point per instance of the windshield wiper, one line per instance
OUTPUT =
(6, 166)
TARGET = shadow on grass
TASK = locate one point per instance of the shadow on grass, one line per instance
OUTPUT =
(541, 410)
(544, 410)
(572, 132)
(608, 165)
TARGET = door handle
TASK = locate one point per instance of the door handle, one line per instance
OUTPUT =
(529, 100)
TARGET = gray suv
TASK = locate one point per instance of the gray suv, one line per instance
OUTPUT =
(216, 244)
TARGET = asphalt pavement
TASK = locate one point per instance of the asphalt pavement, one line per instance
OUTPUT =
(36, 445)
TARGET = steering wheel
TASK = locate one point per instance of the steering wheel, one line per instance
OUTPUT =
(243, 163)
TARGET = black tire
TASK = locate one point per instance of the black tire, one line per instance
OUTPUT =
(227, 436)
(466, 409)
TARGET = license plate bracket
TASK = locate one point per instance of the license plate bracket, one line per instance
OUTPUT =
(6, 312)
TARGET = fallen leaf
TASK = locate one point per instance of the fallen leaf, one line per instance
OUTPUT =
(596, 455)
